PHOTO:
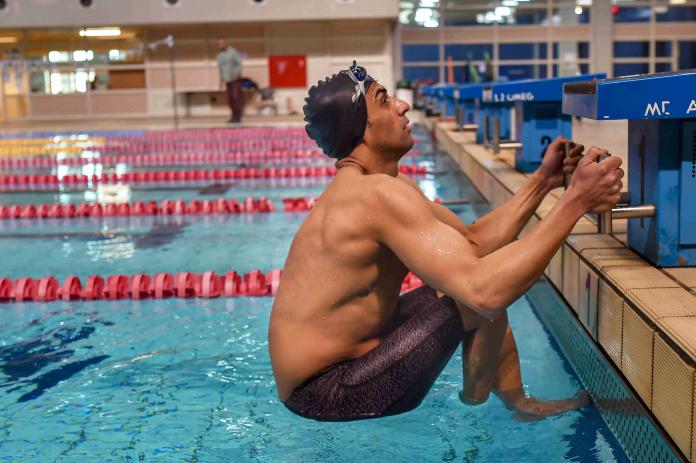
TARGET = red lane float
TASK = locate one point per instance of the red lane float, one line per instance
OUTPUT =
(298, 204)
(306, 204)
(281, 157)
(140, 208)
(47, 289)
(410, 283)
(94, 289)
(183, 176)
(160, 286)
(142, 286)
(71, 289)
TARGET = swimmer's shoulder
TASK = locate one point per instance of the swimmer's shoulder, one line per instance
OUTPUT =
(383, 193)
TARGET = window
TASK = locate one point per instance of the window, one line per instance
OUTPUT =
(687, 55)
(631, 49)
(411, 53)
(569, 51)
(570, 69)
(522, 71)
(571, 14)
(75, 56)
(663, 67)
(631, 14)
(461, 52)
(421, 72)
(419, 15)
(478, 15)
(630, 69)
(469, 17)
(471, 73)
(520, 51)
(663, 49)
(528, 16)
(60, 82)
(670, 14)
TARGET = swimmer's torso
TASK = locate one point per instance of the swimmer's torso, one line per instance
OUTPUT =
(339, 288)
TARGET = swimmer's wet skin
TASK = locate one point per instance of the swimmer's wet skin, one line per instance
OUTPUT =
(344, 345)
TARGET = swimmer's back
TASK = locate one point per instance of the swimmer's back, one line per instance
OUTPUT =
(339, 284)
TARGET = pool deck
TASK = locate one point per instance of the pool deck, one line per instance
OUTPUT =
(643, 317)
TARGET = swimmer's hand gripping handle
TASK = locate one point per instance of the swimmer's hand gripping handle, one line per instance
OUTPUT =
(567, 148)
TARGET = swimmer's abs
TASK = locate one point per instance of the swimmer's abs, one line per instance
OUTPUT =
(299, 353)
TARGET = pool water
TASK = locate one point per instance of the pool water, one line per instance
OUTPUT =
(190, 380)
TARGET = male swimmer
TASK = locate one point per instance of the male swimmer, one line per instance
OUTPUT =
(344, 345)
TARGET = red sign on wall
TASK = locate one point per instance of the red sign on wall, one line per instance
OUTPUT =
(288, 71)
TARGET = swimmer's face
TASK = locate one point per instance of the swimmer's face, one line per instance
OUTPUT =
(387, 125)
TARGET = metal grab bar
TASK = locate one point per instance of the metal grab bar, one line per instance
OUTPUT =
(496, 145)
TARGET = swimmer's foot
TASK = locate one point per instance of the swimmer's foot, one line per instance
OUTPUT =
(532, 409)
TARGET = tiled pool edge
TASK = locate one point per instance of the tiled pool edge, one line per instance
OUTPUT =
(626, 416)
(658, 367)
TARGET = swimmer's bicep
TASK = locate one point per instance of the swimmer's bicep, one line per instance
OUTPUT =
(434, 251)
(450, 218)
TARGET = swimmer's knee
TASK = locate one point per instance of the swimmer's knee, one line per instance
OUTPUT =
(475, 398)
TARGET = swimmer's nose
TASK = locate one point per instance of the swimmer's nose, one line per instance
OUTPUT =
(403, 107)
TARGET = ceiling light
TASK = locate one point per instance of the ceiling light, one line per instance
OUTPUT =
(503, 11)
(510, 3)
(491, 17)
(578, 9)
(423, 14)
(101, 32)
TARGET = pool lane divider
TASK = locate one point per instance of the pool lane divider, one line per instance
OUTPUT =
(183, 285)
(165, 159)
(168, 207)
(140, 208)
(306, 204)
(171, 176)
(169, 159)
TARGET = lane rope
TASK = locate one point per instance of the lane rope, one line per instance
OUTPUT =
(159, 286)
(170, 176)
(166, 207)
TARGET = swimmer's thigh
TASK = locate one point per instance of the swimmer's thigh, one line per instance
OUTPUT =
(395, 376)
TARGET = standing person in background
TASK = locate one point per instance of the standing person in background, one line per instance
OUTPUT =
(230, 67)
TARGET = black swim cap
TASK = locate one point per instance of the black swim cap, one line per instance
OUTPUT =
(336, 111)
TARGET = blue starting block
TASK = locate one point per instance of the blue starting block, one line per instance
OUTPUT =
(430, 99)
(444, 96)
(538, 116)
(661, 109)
(493, 115)
(467, 98)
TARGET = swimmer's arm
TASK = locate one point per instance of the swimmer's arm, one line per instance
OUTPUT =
(445, 260)
(448, 217)
(502, 225)
(505, 223)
